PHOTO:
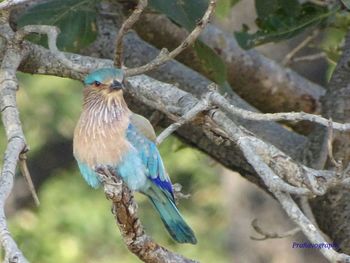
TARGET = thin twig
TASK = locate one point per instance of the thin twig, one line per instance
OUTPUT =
(178, 194)
(299, 47)
(25, 172)
(222, 103)
(201, 106)
(52, 33)
(165, 56)
(128, 23)
(308, 228)
(124, 210)
(310, 57)
(271, 235)
(338, 165)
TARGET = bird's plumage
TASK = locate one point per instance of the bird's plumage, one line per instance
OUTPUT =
(108, 133)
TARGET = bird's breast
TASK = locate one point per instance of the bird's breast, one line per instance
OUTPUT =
(99, 142)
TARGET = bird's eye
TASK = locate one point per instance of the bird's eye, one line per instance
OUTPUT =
(97, 83)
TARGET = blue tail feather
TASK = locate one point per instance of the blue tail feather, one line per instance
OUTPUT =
(173, 221)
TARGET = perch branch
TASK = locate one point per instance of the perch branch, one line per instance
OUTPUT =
(271, 235)
(124, 209)
(118, 57)
(165, 56)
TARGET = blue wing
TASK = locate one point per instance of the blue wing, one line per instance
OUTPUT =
(151, 159)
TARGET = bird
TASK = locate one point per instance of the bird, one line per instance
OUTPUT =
(109, 134)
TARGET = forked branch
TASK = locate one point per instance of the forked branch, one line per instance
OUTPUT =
(165, 55)
(128, 23)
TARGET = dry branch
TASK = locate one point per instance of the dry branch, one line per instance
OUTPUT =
(250, 74)
(219, 100)
(25, 172)
(15, 138)
(289, 57)
(8, 4)
(52, 33)
(201, 106)
(271, 235)
(128, 23)
(124, 209)
(308, 228)
(165, 56)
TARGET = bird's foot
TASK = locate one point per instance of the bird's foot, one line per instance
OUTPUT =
(112, 183)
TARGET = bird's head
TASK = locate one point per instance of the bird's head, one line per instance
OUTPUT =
(105, 80)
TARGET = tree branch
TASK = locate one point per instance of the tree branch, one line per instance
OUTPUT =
(217, 99)
(165, 56)
(271, 235)
(137, 52)
(128, 23)
(52, 33)
(8, 4)
(124, 210)
(260, 81)
(15, 138)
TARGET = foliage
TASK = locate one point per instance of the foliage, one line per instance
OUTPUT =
(75, 18)
(282, 19)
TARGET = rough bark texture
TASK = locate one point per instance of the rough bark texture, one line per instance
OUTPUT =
(269, 87)
(124, 209)
(332, 211)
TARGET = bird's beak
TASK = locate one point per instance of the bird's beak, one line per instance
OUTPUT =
(116, 85)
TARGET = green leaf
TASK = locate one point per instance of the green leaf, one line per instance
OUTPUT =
(265, 7)
(214, 66)
(280, 26)
(183, 12)
(75, 18)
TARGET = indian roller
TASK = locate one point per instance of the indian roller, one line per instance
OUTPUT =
(109, 134)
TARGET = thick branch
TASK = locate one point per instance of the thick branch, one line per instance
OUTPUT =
(257, 79)
(137, 52)
(7, 4)
(331, 211)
